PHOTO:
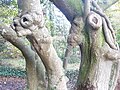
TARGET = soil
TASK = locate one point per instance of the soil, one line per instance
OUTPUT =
(17, 83)
(12, 83)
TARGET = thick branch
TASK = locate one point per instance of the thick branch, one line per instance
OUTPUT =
(69, 8)
(86, 8)
(33, 21)
(67, 55)
(106, 3)
(27, 5)
(75, 37)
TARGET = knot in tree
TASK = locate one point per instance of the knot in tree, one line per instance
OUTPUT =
(94, 20)
(25, 23)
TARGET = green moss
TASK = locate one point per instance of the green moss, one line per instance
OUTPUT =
(90, 51)
(101, 37)
(85, 64)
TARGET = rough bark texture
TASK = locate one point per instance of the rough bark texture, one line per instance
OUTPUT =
(75, 37)
(100, 65)
(100, 54)
(31, 24)
(29, 55)
(69, 8)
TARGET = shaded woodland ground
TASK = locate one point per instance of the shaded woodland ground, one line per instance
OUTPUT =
(15, 79)
(17, 83)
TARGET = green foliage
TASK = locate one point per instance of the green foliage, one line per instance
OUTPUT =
(7, 71)
(60, 47)
(106, 3)
(7, 12)
(10, 52)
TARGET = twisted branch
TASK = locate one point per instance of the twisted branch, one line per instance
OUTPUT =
(108, 30)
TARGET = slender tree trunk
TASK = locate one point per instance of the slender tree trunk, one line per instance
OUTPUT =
(31, 68)
(67, 56)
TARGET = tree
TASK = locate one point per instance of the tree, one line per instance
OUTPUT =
(96, 39)
(90, 29)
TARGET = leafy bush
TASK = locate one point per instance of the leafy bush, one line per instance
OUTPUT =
(7, 71)
(7, 12)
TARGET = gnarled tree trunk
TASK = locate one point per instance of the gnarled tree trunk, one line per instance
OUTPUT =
(30, 57)
(99, 66)
(31, 24)
(90, 29)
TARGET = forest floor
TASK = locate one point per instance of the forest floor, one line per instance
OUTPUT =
(12, 83)
(17, 80)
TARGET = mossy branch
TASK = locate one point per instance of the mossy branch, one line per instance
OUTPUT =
(108, 30)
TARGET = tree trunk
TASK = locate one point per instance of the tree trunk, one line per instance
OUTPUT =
(100, 55)
(99, 67)
(33, 75)
(67, 56)
(31, 24)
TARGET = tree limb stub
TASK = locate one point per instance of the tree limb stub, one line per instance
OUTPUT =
(94, 20)
(39, 36)
(107, 21)
(112, 42)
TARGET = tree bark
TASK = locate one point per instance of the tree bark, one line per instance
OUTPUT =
(75, 37)
(69, 8)
(99, 67)
(29, 54)
(93, 70)
(100, 56)
(31, 24)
